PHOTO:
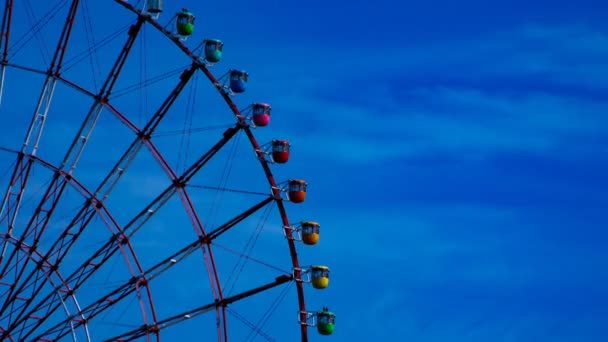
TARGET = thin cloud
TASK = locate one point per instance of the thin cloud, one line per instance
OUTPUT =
(533, 89)
(470, 123)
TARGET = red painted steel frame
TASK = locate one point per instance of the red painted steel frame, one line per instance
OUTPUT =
(208, 255)
(125, 247)
(6, 29)
(121, 292)
(53, 68)
(21, 172)
(37, 225)
(204, 244)
(260, 154)
(65, 38)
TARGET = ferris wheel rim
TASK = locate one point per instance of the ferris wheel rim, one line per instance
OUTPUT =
(255, 145)
(172, 175)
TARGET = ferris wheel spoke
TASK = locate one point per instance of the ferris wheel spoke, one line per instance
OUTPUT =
(189, 131)
(198, 165)
(65, 37)
(173, 320)
(166, 105)
(249, 258)
(5, 34)
(214, 234)
(127, 158)
(77, 147)
(112, 77)
(224, 189)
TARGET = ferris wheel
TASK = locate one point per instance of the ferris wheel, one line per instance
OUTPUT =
(137, 201)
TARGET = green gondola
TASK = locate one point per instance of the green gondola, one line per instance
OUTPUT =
(325, 322)
(185, 23)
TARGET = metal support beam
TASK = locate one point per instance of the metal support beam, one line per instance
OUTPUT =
(127, 288)
(5, 34)
(102, 255)
(167, 322)
(47, 305)
(47, 205)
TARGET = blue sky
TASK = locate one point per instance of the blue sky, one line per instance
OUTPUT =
(456, 156)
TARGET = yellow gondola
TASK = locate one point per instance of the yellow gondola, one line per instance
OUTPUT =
(319, 277)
